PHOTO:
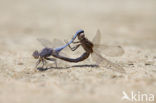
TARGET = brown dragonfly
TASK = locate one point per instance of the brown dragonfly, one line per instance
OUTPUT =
(95, 49)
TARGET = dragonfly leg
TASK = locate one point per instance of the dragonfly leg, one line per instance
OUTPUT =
(74, 48)
(76, 42)
(55, 63)
(52, 59)
(38, 62)
(43, 63)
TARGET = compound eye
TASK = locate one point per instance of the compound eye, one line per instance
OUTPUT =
(36, 54)
(82, 35)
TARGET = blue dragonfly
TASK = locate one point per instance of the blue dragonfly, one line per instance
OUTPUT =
(46, 52)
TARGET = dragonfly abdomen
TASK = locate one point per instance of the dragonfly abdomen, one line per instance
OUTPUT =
(79, 59)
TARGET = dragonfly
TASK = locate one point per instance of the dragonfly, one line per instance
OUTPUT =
(95, 49)
(46, 52)
(90, 49)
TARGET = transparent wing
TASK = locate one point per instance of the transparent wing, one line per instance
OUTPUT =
(109, 50)
(51, 44)
(96, 41)
(106, 63)
(57, 43)
(54, 44)
(97, 38)
(45, 42)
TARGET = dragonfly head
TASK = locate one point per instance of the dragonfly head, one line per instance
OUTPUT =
(36, 54)
(81, 35)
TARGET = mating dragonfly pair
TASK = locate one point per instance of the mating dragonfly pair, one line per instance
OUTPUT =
(93, 48)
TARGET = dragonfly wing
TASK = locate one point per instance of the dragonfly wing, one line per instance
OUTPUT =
(53, 44)
(109, 50)
(46, 43)
(57, 43)
(97, 38)
(106, 63)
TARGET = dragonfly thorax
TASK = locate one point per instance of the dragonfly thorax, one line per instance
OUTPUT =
(46, 52)
(87, 45)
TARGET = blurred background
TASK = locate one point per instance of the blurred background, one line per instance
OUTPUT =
(130, 19)
(129, 23)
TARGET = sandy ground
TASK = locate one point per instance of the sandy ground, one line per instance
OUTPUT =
(130, 23)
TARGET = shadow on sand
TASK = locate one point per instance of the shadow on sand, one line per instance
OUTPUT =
(74, 66)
